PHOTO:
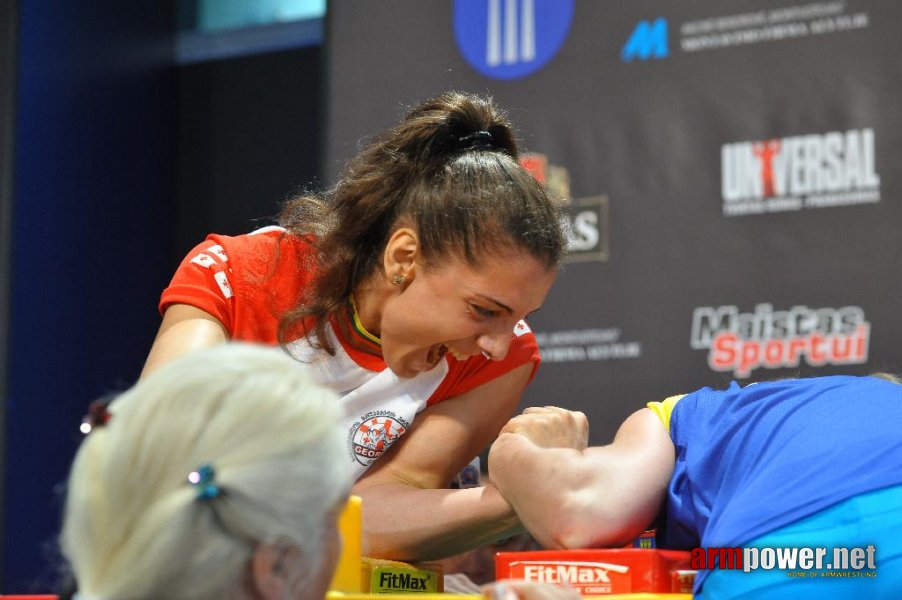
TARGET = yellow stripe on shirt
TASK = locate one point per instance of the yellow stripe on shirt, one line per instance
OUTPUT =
(665, 408)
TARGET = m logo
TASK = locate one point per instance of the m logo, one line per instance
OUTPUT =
(509, 39)
(649, 40)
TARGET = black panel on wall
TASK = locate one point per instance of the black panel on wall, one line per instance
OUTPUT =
(637, 112)
(249, 133)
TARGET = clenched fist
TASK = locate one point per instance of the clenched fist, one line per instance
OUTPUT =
(551, 427)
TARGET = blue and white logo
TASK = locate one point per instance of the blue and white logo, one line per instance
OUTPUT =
(509, 39)
(648, 40)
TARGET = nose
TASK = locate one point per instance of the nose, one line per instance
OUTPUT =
(495, 344)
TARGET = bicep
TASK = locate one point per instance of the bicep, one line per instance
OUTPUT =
(626, 482)
(447, 435)
(184, 329)
(642, 464)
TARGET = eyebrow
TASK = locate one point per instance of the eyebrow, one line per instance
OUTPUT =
(509, 310)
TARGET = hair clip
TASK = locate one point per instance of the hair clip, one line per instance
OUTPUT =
(480, 140)
(203, 479)
(98, 416)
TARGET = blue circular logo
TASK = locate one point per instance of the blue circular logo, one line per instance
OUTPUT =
(509, 39)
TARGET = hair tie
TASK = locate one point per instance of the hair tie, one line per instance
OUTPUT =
(203, 480)
(98, 416)
(479, 140)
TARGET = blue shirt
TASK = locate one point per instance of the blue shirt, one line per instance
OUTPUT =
(752, 459)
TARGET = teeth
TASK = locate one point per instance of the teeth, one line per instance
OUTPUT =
(436, 354)
(458, 355)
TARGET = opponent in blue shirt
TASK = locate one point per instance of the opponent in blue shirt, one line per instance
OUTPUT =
(785, 464)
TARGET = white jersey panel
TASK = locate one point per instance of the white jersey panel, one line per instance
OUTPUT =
(379, 407)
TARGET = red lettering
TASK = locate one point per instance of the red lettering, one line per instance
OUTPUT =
(751, 358)
(731, 558)
(367, 452)
(773, 353)
(816, 356)
(715, 558)
(795, 348)
(861, 346)
(723, 355)
(842, 348)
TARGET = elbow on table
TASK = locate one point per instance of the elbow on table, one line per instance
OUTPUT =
(574, 528)
(608, 536)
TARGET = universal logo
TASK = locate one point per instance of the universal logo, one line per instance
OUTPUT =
(799, 172)
(587, 222)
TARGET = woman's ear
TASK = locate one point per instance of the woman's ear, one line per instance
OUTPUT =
(401, 255)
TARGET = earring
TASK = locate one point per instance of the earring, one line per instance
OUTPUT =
(398, 279)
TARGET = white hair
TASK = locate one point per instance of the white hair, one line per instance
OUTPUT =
(134, 528)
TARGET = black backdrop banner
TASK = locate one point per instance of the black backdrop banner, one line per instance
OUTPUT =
(728, 168)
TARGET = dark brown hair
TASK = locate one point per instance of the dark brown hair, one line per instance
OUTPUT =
(450, 170)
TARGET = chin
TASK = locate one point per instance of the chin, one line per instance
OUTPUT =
(402, 371)
(406, 374)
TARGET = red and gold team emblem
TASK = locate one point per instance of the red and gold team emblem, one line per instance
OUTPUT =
(374, 434)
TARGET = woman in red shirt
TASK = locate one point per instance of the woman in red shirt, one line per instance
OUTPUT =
(404, 289)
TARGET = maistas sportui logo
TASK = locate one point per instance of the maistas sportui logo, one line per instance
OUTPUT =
(742, 342)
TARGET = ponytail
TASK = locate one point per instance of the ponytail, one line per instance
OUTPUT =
(450, 170)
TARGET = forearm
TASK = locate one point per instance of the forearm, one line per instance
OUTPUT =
(402, 522)
(547, 487)
(598, 496)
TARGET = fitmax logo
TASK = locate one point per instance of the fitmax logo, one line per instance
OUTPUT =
(648, 40)
(509, 39)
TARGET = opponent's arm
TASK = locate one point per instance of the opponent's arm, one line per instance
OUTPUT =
(184, 329)
(407, 513)
(600, 496)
